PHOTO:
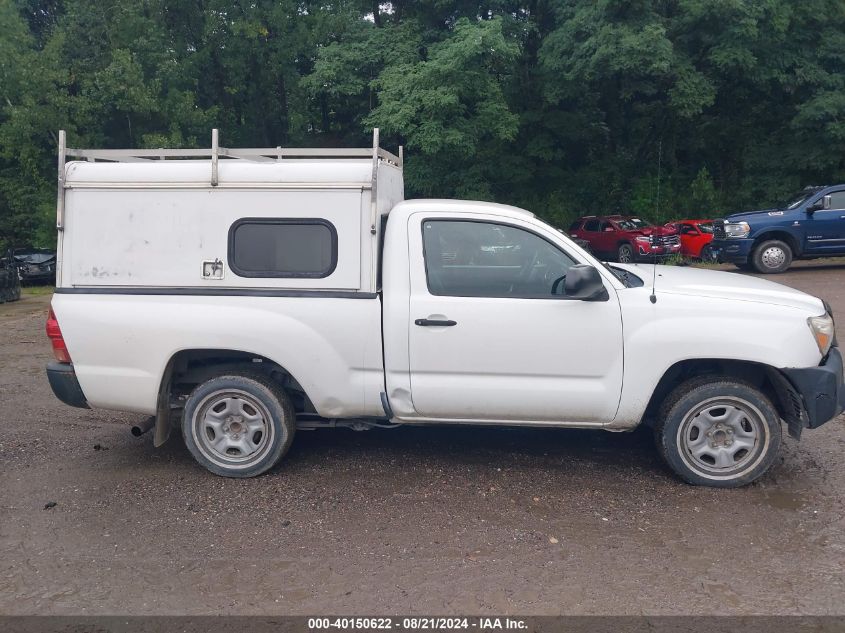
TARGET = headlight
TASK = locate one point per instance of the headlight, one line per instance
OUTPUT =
(822, 328)
(645, 239)
(737, 229)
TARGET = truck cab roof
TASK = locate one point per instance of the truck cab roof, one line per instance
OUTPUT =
(459, 206)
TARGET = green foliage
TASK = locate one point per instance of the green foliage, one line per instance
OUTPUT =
(450, 109)
(564, 107)
(647, 200)
(703, 198)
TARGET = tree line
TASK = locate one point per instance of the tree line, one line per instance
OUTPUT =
(663, 108)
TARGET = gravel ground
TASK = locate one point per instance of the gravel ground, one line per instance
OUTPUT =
(412, 520)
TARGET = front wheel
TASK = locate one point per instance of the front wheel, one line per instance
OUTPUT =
(772, 256)
(625, 254)
(718, 432)
(238, 425)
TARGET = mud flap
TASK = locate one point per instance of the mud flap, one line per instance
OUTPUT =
(163, 425)
(792, 404)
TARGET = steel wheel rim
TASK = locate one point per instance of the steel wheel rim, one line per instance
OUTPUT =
(625, 255)
(773, 257)
(723, 438)
(232, 428)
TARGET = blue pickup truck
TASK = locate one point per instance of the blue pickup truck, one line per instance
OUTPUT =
(809, 225)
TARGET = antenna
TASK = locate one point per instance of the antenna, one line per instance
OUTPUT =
(653, 296)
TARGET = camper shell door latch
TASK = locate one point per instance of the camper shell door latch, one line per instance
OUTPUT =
(212, 269)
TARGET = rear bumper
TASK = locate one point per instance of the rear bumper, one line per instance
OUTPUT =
(821, 388)
(65, 386)
(733, 251)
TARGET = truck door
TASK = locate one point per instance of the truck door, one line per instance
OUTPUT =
(487, 337)
(825, 228)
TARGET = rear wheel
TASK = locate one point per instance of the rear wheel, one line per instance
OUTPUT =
(625, 254)
(706, 254)
(772, 256)
(718, 432)
(238, 425)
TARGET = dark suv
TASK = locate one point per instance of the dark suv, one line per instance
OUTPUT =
(36, 265)
(811, 224)
(626, 238)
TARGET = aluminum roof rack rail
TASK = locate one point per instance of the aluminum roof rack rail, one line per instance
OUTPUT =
(260, 154)
(215, 153)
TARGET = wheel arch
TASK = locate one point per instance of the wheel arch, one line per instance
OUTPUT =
(766, 378)
(187, 368)
(778, 234)
(625, 242)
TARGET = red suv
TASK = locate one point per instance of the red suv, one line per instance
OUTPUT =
(626, 238)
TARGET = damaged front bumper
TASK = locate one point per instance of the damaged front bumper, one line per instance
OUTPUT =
(815, 395)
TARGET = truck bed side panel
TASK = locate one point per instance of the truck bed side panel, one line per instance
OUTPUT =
(121, 343)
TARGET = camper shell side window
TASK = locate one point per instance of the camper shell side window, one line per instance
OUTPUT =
(283, 247)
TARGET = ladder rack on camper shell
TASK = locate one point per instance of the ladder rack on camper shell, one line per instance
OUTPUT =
(215, 153)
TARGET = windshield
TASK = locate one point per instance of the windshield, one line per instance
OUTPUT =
(795, 201)
(632, 224)
(706, 227)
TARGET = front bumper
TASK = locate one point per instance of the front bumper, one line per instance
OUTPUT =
(733, 250)
(65, 385)
(648, 253)
(821, 389)
(37, 275)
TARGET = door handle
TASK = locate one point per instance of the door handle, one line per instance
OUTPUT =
(437, 322)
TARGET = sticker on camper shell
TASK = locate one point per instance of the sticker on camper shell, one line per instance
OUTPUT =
(212, 269)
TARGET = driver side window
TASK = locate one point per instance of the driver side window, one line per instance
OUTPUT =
(486, 259)
(837, 200)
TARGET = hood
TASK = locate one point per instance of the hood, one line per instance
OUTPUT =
(35, 258)
(684, 280)
(655, 230)
(745, 215)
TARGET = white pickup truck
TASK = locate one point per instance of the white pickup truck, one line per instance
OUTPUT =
(241, 294)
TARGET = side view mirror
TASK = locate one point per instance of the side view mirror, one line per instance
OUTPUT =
(822, 204)
(584, 282)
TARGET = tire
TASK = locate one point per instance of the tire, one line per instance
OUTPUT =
(771, 257)
(706, 254)
(717, 431)
(625, 254)
(238, 425)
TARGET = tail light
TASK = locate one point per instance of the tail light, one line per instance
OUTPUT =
(55, 335)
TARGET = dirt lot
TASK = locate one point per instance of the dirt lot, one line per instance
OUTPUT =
(428, 520)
